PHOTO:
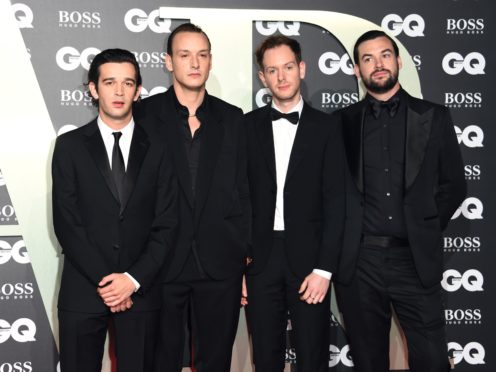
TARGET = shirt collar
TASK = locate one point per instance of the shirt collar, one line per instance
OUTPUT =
(106, 131)
(296, 108)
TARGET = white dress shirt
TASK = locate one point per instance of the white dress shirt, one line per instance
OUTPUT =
(284, 135)
(125, 145)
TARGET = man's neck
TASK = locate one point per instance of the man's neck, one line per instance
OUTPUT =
(191, 99)
(115, 124)
(386, 95)
(287, 105)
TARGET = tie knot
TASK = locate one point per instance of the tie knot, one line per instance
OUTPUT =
(391, 106)
(292, 117)
(117, 136)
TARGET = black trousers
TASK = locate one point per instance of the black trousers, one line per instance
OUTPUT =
(271, 294)
(215, 313)
(82, 339)
(386, 278)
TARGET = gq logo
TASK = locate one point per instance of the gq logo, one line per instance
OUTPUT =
(471, 209)
(263, 97)
(473, 353)
(472, 136)
(271, 27)
(473, 63)
(156, 90)
(22, 330)
(413, 25)
(471, 280)
(136, 20)
(69, 58)
(17, 252)
(336, 356)
(23, 15)
(330, 63)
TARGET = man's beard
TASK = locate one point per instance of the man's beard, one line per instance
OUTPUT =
(383, 87)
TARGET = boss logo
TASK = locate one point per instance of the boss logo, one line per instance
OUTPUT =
(473, 63)
(472, 172)
(263, 97)
(22, 330)
(459, 316)
(465, 26)
(462, 242)
(69, 58)
(290, 356)
(471, 209)
(330, 63)
(336, 356)
(473, 353)
(17, 252)
(137, 20)
(18, 290)
(6, 212)
(2, 180)
(413, 25)
(417, 61)
(153, 59)
(23, 15)
(75, 18)
(471, 280)
(460, 99)
(471, 136)
(75, 97)
(285, 28)
(338, 99)
(16, 367)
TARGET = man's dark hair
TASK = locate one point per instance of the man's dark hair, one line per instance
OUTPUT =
(112, 56)
(275, 41)
(185, 27)
(371, 35)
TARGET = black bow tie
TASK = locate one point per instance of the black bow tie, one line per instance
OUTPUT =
(391, 105)
(292, 117)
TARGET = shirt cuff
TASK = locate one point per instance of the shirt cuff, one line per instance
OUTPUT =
(135, 282)
(325, 274)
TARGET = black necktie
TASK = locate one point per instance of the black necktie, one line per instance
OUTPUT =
(292, 117)
(118, 167)
(391, 106)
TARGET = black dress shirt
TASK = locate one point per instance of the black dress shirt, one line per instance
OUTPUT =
(384, 168)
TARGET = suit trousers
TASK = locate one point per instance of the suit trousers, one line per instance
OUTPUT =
(271, 294)
(386, 279)
(214, 308)
(82, 339)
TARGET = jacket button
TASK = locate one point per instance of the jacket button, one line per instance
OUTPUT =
(116, 247)
(121, 217)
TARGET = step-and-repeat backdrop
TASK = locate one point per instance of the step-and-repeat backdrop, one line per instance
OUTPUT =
(47, 46)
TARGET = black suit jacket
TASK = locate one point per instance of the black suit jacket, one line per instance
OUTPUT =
(215, 220)
(313, 191)
(434, 184)
(97, 233)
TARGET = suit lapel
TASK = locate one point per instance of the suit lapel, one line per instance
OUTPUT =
(300, 144)
(170, 119)
(96, 148)
(353, 141)
(265, 137)
(418, 129)
(209, 151)
(137, 152)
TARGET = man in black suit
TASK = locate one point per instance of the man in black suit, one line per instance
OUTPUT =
(405, 180)
(114, 212)
(295, 171)
(207, 141)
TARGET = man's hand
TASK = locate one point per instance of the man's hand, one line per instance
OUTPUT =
(244, 293)
(313, 289)
(115, 288)
(123, 306)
